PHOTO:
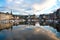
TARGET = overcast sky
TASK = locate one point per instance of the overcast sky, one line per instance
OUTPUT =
(27, 7)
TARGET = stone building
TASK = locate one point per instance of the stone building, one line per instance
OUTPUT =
(5, 16)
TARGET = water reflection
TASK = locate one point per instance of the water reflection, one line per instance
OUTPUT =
(52, 24)
(25, 31)
(54, 27)
(5, 26)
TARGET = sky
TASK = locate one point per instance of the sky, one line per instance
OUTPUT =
(29, 7)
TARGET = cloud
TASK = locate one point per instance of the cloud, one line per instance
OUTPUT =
(31, 6)
(45, 6)
(19, 6)
(59, 0)
(9, 0)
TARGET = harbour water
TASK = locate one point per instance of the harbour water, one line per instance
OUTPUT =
(28, 31)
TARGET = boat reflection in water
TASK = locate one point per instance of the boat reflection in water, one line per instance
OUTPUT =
(26, 31)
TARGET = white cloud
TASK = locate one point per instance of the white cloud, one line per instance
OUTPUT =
(8, 1)
(45, 6)
(36, 8)
(14, 1)
(19, 6)
(59, 0)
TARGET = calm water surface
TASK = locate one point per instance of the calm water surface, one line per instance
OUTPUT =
(28, 32)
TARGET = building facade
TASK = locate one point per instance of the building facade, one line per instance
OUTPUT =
(5, 16)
